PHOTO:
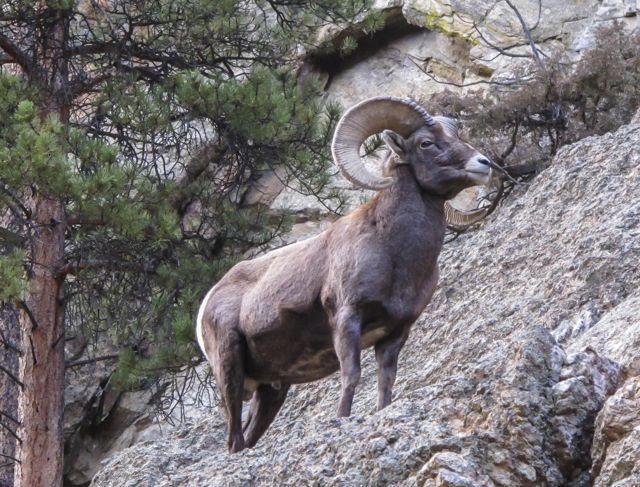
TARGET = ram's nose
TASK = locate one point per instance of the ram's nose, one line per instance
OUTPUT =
(479, 169)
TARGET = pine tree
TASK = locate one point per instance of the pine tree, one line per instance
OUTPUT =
(128, 130)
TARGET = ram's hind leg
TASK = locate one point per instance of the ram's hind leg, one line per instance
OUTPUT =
(265, 404)
(229, 371)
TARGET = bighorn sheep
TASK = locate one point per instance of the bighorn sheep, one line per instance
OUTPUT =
(301, 312)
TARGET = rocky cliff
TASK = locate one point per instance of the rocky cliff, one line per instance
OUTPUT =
(524, 369)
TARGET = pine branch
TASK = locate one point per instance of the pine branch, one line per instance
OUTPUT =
(10, 237)
(92, 84)
(80, 219)
(512, 144)
(9, 457)
(527, 33)
(17, 55)
(78, 363)
(110, 265)
(23, 306)
(509, 82)
(9, 417)
(207, 155)
(14, 197)
(504, 51)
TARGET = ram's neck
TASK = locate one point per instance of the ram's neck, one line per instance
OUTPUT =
(411, 221)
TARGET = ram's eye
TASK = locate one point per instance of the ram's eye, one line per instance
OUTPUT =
(425, 144)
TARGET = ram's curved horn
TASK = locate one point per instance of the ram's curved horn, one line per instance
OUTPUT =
(461, 219)
(365, 119)
(448, 124)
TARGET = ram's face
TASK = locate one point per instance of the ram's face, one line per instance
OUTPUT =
(442, 163)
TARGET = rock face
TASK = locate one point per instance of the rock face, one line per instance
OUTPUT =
(394, 68)
(616, 445)
(522, 371)
(439, 36)
(100, 421)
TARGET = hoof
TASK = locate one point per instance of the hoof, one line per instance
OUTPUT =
(236, 445)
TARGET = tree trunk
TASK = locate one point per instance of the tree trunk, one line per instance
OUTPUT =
(41, 402)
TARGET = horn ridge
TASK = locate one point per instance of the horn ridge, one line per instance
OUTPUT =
(367, 118)
(428, 119)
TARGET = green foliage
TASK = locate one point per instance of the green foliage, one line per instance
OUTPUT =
(125, 376)
(349, 44)
(12, 278)
(374, 22)
(30, 148)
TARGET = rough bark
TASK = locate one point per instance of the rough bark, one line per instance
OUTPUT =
(41, 402)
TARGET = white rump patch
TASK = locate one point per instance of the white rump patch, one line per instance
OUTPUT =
(199, 331)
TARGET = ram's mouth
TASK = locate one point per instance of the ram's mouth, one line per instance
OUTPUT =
(503, 172)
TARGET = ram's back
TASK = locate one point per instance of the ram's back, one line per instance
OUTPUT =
(287, 280)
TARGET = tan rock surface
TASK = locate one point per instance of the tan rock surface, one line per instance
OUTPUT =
(486, 395)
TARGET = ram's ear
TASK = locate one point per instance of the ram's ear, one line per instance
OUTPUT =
(395, 142)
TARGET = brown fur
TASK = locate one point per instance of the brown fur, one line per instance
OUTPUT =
(302, 312)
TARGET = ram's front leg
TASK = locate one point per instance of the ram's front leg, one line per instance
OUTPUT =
(387, 352)
(347, 345)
